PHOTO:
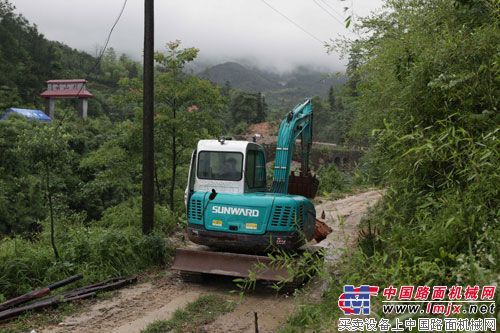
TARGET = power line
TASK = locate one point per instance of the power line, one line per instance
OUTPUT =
(340, 16)
(99, 58)
(98, 61)
(293, 22)
(326, 11)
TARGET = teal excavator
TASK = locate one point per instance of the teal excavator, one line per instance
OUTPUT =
(231, 212)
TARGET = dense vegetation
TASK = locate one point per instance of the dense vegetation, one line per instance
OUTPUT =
(70, 190)
(68, 205)
(426, 84)
(430, 89)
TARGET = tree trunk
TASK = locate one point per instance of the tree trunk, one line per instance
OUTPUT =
(174, 167)
(51, 211)
(157, 183)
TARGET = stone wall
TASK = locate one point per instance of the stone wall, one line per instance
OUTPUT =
(344, 158)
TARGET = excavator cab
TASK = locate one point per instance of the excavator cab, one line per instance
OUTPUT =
(228, 206)
(227, 166)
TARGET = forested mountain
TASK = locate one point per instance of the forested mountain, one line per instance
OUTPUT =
(27, 59)
(239, 77)
(281, 90)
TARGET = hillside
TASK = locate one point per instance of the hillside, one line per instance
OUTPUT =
(280, 90)
(239, 77)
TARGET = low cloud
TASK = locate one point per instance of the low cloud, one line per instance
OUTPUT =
(223, 30)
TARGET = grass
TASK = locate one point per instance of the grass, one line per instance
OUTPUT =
(200, 312)
(49, 316)
(97, 253)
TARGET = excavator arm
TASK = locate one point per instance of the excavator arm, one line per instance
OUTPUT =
(297, 123)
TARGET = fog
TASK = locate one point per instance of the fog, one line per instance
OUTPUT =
(249, 32)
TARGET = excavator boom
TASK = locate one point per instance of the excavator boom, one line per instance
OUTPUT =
(297, 123)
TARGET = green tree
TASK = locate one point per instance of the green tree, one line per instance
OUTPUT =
(226, 90)
(21, 198)
(261, 110)
(331, 98)
(9, 97)
(187, 110)
(331, 124)
(248, 107)
(107, 164)
(47, 147)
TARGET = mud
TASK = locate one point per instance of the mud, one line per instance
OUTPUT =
(344, 216)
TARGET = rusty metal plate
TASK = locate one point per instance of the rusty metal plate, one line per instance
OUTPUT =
(226, 263)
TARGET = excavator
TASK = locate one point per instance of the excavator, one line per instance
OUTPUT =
(234, 218)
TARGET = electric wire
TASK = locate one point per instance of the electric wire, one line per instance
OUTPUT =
(293, 22)
(101, 54)
(326, 11)
(340, 16)
(108, 37)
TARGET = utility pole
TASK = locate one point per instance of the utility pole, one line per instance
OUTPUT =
(148, 121)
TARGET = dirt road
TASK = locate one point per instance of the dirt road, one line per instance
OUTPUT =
(343, 216)
(132, 309)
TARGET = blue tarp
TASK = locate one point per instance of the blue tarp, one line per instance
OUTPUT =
(27, 113)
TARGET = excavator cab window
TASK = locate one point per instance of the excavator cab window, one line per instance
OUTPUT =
(217, 165)
(255, 170)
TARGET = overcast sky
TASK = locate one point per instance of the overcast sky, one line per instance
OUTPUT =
(224, 30)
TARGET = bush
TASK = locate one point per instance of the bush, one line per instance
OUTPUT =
(128, 214)
(331, 179)
(96, 252)
(370, 170)
(240, 128)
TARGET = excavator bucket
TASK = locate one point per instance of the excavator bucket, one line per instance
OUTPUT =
(305, 185)
(229, 264)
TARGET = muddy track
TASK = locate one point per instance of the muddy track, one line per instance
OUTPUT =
(133, 308)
